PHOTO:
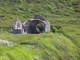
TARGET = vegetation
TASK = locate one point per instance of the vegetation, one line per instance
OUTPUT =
(63, 43)
(14, 53)
(51, 46)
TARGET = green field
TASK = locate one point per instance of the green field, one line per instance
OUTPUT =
(62, 43)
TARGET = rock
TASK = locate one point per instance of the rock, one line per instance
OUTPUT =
(47, 26)
(36, 58)
(17, 27)
(5, 43)
(26, 27)
(40, 17)
(31, 43)
(30, 26)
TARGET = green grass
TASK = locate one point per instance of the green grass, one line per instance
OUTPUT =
(63, 43)
(73, 33)
(51, 46)
(28, 9)
(14, 53)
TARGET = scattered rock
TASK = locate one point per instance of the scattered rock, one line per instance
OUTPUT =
(5, 43)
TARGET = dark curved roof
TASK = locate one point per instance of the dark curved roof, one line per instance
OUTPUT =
(40, 17)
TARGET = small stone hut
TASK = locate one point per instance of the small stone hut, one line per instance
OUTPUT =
(31, 26)
(17, 27)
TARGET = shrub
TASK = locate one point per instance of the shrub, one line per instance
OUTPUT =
(54, 29)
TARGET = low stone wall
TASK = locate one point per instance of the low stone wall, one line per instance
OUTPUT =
(36, 44)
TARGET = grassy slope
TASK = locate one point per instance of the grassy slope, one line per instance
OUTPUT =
(51, 46)
(63, 15)
(27, 9)
(14, 53)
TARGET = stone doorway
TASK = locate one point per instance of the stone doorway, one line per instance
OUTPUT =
(36, 27)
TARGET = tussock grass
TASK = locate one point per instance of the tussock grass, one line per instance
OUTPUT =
(14, 53)
(63, 43)
(50, 45)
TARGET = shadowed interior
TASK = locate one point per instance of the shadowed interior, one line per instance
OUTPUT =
(36, 27)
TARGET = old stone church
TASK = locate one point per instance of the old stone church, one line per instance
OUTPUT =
(35, 26)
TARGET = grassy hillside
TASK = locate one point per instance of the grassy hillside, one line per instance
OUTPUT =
(62, 43)
(27, 9)
(51, 47)
(14, 53)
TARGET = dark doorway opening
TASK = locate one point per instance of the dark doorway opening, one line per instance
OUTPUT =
(36, 27)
